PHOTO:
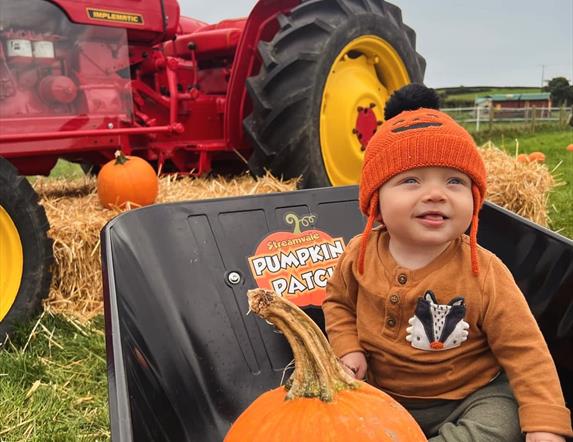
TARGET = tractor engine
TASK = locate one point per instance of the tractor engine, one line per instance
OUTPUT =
(51, 67)
(56, 75)
(33, 81)
(45, 74)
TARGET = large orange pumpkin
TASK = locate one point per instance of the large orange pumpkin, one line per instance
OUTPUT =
(127, 181)
(321, 402)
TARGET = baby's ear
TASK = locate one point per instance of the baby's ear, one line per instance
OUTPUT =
(430, 297)
(458, 300)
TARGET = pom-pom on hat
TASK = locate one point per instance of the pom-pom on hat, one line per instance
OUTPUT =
(411, 137)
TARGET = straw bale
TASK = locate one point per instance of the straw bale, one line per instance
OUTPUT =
(76, 218)
(521, 187)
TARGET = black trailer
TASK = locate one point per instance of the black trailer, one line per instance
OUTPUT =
(185, 359)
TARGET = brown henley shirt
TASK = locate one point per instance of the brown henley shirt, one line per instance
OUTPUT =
(371, 313)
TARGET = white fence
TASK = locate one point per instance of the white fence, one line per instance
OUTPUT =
(481, 116)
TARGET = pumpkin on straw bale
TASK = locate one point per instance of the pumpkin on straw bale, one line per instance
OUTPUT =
(76, 217)
(127, 181)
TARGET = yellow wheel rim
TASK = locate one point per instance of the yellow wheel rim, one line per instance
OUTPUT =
(11, 262)
(361, 79)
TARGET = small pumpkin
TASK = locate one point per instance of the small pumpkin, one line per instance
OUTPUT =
(537, 157)
(127, 181)
(570, 148)
(523, 158)
(321, 401)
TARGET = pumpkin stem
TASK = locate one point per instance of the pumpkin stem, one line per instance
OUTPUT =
(318, 373)
(120, 158)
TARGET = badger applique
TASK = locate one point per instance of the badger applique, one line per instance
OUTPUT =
(437, 326)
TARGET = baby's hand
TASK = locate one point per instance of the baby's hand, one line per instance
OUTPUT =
(355, 363)
(541, 436)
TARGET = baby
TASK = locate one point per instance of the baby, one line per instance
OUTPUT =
(420, 309)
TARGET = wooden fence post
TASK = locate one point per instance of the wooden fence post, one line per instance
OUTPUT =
(533, 113)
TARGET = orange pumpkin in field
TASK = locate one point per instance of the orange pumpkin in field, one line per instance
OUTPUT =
(570, 148)
(537, 156)
(321, 402)
(523, 158)
(127, 181)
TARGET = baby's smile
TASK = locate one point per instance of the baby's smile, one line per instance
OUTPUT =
(432, 215)
(432, 218)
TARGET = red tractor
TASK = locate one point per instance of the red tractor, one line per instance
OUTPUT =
(297, 88)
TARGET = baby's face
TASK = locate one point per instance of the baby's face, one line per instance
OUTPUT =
(428, 206)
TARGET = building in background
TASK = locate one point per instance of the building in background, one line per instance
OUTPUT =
(539, 100)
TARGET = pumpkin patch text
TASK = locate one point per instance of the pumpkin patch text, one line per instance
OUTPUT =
(296, 265)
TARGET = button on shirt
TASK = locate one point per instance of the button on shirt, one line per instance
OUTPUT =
(395, 314)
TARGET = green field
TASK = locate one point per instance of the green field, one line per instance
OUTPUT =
(53, 371)
(458, 98)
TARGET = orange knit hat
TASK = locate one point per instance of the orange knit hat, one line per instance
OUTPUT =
(419, 138)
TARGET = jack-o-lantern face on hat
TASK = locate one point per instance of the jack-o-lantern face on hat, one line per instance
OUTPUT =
(429, 119)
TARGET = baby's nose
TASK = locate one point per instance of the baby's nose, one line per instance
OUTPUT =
(435, 193)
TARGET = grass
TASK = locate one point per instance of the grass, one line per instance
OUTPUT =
(54, 384)
(66, 169)
(63, 169)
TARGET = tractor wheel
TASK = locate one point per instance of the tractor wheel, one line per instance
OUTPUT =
(320, 93)
(25, 250)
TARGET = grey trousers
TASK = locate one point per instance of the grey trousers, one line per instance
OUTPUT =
(487, 415)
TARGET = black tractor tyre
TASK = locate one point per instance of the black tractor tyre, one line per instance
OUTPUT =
(287, 92)
(20, 202)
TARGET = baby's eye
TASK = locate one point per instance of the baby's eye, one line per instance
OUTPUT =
(456, 180)
(409, 180)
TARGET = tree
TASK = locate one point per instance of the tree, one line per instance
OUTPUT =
(561, 91)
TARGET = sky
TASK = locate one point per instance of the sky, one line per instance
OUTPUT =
(467, 42)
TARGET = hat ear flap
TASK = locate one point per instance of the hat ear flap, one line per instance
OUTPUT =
(373, 213)
(474, 228)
